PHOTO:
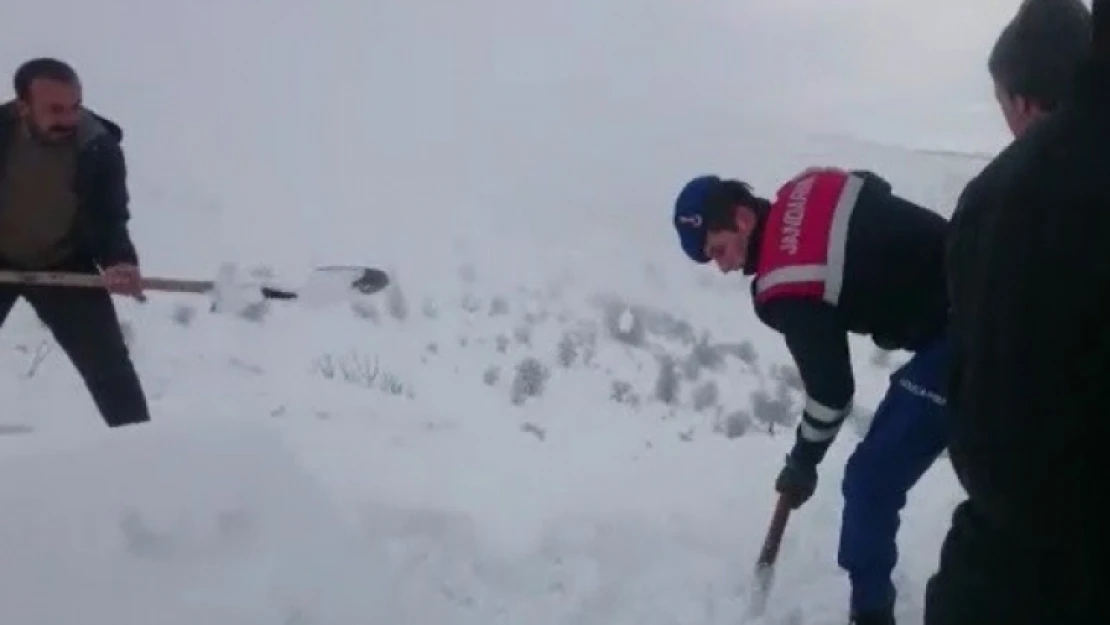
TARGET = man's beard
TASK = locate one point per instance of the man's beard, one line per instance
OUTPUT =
(53, 135)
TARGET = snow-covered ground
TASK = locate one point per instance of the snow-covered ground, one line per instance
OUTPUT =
(551, 417)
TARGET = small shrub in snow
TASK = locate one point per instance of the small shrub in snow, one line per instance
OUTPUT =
(705, 396)
(706, 355)
(734, 425)
(498, 306)
(392, 385)
(492, 375)
(667, 325)
(470, 303)
(623, 325)
(523, 335)
(530, 381)
(360, 370)
(38, 356)
(566, 350)
(691, 368)
(621, 392)
(789, 376)
(589, 349)
(744, 351)
(536, 318)
(776, 410)
(501, 343)
(255, 311)
(183, 315)
(352, 368)
(432, 348)
(667, 383)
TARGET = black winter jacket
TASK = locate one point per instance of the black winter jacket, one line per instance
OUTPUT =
(1029, 276)
(100, 232)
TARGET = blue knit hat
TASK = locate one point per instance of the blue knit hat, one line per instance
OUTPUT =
(689, 215)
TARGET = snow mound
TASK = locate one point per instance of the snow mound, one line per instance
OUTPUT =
(209, 523)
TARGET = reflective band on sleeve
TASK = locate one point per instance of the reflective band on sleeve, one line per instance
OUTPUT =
(830, 274)
(821, 423)
(823, 414)
(817, 435)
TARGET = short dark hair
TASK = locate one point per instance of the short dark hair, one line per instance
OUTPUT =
(48, 68)
(1040, 51)
(720, 207)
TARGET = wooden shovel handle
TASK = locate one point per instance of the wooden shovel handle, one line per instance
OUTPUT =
(95, 281)
(775, 530)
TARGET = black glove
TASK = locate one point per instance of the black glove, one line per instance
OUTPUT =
(797, 481)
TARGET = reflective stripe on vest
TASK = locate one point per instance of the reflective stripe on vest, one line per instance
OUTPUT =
(805, 241)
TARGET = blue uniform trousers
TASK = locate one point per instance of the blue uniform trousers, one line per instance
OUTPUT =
(906, 436)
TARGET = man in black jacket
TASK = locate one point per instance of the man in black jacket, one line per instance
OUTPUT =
(1029, 275)
(64, 207)
(835, 253)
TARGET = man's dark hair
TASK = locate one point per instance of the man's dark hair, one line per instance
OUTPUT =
(48, 68)
(720, 206)
(1040, 51)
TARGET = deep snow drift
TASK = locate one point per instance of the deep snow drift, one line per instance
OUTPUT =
(212, 525)
(551, 417)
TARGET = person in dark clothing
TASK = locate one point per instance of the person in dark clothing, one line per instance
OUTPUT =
(837, 253)
(64, 207)
(1033, 62)
(1029, 277)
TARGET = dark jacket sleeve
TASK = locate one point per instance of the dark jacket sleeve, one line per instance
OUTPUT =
(878, 181)
(818, 341)
(108, 206)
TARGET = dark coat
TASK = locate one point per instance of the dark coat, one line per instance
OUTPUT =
(100, 231)
(1029, 279)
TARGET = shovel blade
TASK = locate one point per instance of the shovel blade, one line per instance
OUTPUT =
(336, 283)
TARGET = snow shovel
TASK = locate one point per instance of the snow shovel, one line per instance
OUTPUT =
(765, 565)
(333, 282)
